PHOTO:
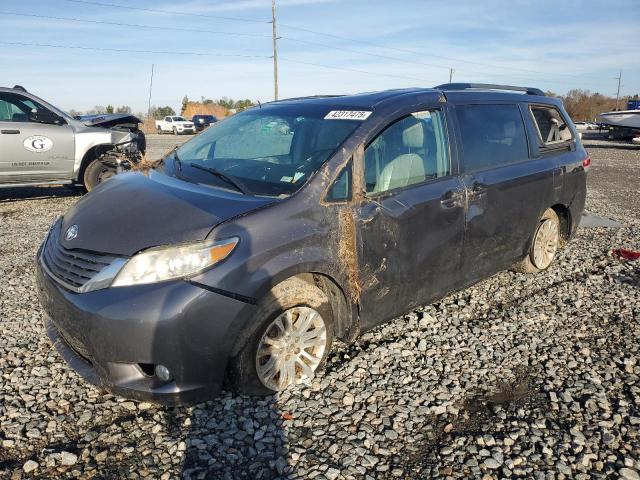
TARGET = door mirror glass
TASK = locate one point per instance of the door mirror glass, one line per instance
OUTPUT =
(409, 151)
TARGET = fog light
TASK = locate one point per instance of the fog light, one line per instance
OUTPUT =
(163, 373)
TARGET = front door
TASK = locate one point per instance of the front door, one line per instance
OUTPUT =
(31, 151)
(411, 222)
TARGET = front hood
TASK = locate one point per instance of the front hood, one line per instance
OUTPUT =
(109, 120)
(135, 211)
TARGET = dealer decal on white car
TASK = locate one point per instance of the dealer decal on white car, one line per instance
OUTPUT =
(347, 115)
(38, 143)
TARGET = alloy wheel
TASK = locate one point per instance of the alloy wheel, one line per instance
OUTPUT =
(291, 348)
(546, 243)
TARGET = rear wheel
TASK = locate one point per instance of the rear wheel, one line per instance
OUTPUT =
(544, 247)
(97, 173)
(292, 341)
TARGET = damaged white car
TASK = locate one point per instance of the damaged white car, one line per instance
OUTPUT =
(40, 144)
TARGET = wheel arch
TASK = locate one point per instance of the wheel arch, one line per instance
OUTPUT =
(566, 221)
(89, 156)
(344, 314)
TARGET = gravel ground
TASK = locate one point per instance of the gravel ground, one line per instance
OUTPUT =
(519, 376)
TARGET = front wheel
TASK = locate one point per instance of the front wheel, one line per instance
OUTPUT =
(292, 340)
(175, 131)
(159, 130)
(97, 173)
(544, 247)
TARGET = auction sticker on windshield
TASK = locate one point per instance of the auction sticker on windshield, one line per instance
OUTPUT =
(347, 115)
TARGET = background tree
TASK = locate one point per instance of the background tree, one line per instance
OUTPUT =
(96, 110)
(109, 108)
(161, 112)
(123, 109)
(185, 101)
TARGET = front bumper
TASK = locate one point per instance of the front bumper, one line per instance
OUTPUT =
(109, 336)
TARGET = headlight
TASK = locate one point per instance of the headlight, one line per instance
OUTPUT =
(158, 264)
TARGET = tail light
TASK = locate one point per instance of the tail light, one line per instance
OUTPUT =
(586, 163)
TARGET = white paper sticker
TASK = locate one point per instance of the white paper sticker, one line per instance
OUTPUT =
(38, 143)
(347, 115)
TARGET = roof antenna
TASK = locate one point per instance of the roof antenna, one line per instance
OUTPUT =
(20, 87)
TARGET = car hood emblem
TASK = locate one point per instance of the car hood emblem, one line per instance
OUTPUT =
(72, 232)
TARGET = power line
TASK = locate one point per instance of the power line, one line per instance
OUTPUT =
(163, 52)
(169, 12)
(340, 37)
(414, 62)
(125, 50)
(413, 52)
(348, 69)
(135, 25)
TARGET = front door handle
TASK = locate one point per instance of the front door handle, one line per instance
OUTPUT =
(10, 132)
(452, 199)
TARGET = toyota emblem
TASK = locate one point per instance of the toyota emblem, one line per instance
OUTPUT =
(72, 232)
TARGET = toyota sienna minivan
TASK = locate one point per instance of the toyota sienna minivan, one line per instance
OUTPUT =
(241, 256)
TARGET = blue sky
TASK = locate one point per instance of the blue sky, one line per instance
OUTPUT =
(367, 45)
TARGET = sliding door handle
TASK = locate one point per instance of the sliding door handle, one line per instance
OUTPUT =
(477, 190)
(452, 199)
(10, 132)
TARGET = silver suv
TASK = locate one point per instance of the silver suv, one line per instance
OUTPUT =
(41, 144)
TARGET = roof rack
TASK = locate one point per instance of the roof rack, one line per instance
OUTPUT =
(307, 97)
(20, 87)
(490, 86)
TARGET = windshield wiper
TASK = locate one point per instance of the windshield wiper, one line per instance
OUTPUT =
(237, 184)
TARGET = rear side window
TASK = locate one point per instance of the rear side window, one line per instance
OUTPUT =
(492, 135)
(551, 125)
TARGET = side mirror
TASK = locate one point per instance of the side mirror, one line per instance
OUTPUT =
(45, 116)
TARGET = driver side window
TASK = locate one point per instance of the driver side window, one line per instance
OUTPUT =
(410, 151)
(17, 108)
(12, 109)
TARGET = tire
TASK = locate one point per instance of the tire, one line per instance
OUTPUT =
(159, 130)
(175, 131)
(97, 173)
(293, 297)
(547, 233)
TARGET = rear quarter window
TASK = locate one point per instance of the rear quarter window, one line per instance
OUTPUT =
(552, 128)
(491, 136)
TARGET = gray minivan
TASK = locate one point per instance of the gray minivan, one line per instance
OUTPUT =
(243, 254)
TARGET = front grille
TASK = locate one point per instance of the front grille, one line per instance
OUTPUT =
(72, 267)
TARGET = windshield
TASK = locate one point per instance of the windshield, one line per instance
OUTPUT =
(179, 119)
(271, 150)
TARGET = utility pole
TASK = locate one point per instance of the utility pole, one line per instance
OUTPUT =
(275, 50)
(619, 77)
(450, 75)
(150, 88)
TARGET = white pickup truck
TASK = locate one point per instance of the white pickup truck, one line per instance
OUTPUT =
(175, 125)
